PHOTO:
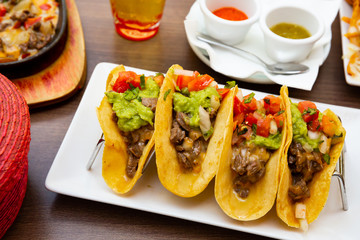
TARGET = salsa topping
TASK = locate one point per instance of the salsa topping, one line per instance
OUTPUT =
(256, 134)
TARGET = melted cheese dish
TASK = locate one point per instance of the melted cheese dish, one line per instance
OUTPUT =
(26, 26)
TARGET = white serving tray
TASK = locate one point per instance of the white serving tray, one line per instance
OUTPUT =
(68, 176)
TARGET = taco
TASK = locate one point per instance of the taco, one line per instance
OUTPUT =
(126, 116)
(191, 117)
(317, 140)
(247, 180)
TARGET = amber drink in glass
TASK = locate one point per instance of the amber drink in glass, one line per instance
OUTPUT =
(137, 19)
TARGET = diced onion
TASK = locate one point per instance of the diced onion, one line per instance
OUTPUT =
(260, 106)
(205, 123)
(300, 210)
(183, 72)
(239, 95)
(304, 226)
(324, 147)
(273, 127)
(300, 213)
(214, 102)
(213, 84)
(307, 148)
(313, 134)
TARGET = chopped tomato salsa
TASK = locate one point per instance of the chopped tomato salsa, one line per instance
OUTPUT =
(257, 115)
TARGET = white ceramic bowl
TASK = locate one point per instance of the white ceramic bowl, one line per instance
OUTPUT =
(283, 49)
(226, 31)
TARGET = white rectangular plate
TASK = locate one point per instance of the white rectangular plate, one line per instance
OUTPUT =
(346, 11)
(68, 175)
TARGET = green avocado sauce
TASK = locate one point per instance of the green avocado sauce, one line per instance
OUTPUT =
(272, 142)
(300, 132)
(131, 113)
(191, 103)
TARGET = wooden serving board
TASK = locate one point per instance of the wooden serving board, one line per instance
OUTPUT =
(66, 75)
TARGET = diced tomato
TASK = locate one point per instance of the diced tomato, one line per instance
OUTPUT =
(2, 10)
(183, 81)
(120, 86)
(45, 6)
(272, 104)
(223, 92)
(279, 119)
(124, 80)
(263, 126)
(249, 106)
(238, 119)
(328, 126)
(200, 82)
(308, 111)
(237, 106)
(250, 119)
(314, 125)
(159, 79)
(304, 105)
(31, 21)
(308, 117)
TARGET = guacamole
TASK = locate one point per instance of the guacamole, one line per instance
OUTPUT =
(131, 113)
(300, 132)
(191, 104)
(272, 142)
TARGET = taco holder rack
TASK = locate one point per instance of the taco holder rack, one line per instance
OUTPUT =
(338, 173)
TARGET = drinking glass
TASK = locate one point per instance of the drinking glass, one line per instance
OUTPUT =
(137, 19)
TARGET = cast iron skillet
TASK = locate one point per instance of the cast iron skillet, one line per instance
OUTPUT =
(47, 55)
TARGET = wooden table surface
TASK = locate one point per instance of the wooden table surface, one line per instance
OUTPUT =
(47, 215)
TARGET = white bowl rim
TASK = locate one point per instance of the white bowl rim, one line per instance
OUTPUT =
(312, 38)
(212, 16)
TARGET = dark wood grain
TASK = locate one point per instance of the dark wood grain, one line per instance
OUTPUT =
(47, 215)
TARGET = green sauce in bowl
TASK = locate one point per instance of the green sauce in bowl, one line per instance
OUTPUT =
(290, 30)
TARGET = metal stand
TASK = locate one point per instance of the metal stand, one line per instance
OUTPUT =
(95, 152)
(339, 173)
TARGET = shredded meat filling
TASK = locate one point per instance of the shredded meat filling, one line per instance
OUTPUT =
(248, 163)
(303, 165)
(187, 141)
(137, 140)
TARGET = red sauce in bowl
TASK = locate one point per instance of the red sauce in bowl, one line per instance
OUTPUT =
(230, 13)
